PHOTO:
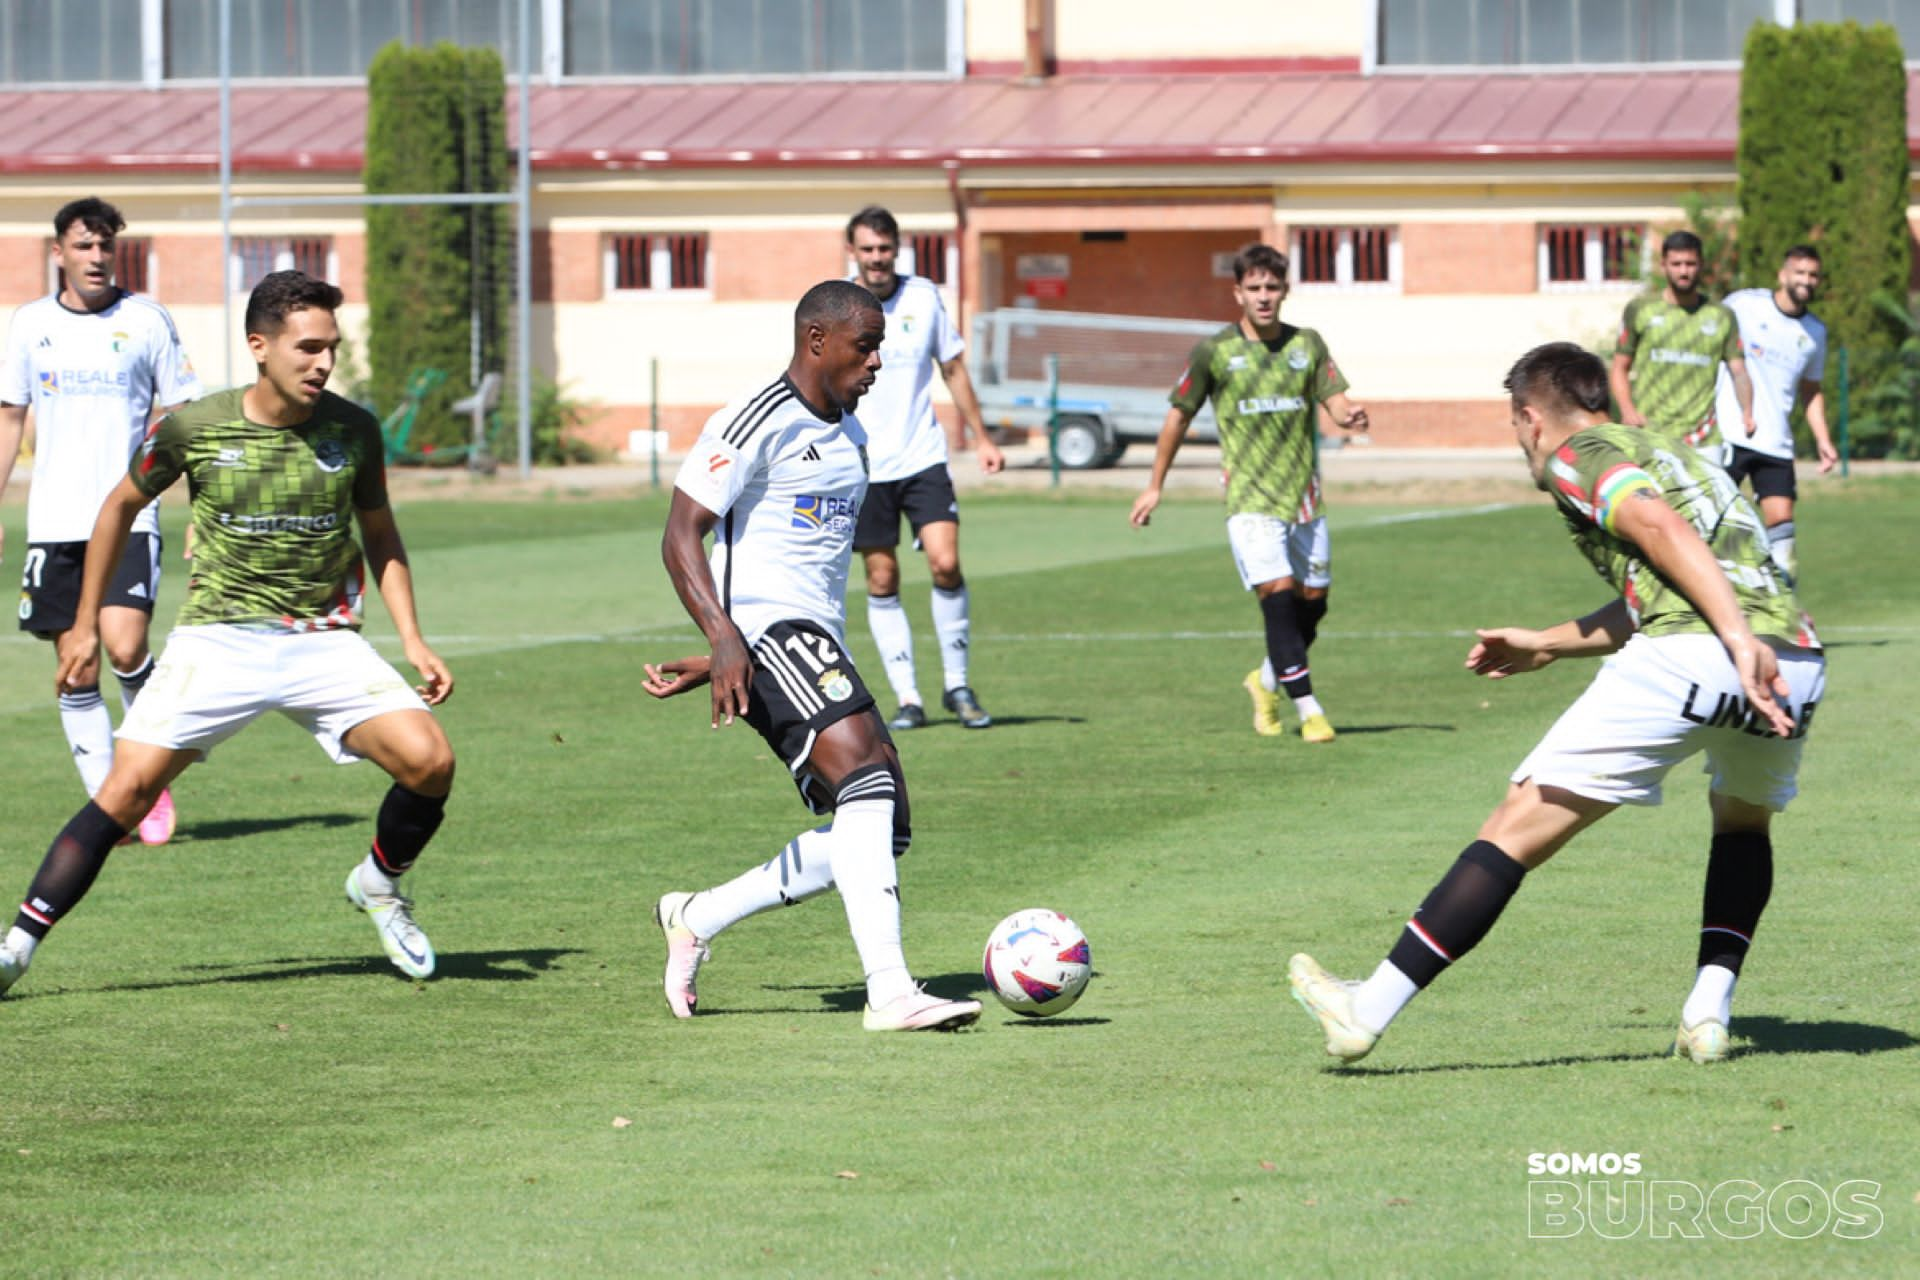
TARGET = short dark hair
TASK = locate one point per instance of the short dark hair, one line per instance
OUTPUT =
(283, 293)
(1559, 376)
(91, 212)
(1260, 257)
(833, 302)
(875, 219)
(1681, 242)
(1801, 251)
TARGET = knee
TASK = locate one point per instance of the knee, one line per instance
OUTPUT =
(883, 576)
(1312, 593)
(945, 572)
(125, 655)
(429, 770)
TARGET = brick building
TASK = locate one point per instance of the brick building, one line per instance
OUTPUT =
(1453, 179)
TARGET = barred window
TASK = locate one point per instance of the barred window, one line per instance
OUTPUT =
(929, 255)
(657, 260)
(256, 257)
(1346, 256)
(1575, 254)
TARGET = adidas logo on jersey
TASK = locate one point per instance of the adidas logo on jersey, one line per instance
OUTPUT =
(811, 455)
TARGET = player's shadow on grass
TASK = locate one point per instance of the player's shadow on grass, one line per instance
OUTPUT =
(238, 828)
(1784, 1035)
(1531, 1064)
(1000, 721)
(1395, 728)
(458, 966)
(839, 999)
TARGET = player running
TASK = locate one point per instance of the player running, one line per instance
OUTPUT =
(777, 478)
(1787, 346)
(907, 450)
(271, 622)
(1712, 654)
(92, 360)
(1669, 353)
(1265, 378)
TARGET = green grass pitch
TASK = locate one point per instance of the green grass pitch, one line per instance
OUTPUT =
(211, 1070)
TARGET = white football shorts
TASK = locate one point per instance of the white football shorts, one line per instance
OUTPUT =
(1658, 701)
(1267, 548)
(213, 681)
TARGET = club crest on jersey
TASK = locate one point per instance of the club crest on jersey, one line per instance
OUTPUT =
(329, 455)
(1709, 326)
(229, 455)
(1235, 363)
(833, 682)
(26, 606)
(819, 512)
(1297, 361)
(118, 340)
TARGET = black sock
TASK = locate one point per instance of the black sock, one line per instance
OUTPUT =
(68, 870)
(407, 821)
(1310, 610)
(1285, 649)
(1457, 913)
(132, 682)
(1739, 882)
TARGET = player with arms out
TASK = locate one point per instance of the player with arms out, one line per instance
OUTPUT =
(1786, 346)
(1265, 379)
(1671, 347)
(776, 479)
(1711, 654)
(907, 449)
(278, 470)
(92, 360)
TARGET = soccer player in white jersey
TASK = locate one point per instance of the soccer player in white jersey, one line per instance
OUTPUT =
(777, 479)
(1786, 347)
(92, 361)
(908, 453)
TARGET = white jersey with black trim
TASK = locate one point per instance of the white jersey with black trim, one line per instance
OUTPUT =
(92, 379)
(1782, 351)
(898, 412)
(786, 482)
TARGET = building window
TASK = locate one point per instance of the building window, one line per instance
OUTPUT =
(132, 265)
(657, 261)
(1577, 256)
(1346, 256)
(755, 37)
(277, 39)
(926, 255)
(256, 257)
(67, 42)
(1451, 33)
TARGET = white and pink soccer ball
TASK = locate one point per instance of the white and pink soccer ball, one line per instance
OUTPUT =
(1037, 962)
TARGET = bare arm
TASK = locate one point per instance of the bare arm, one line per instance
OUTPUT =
(80, 646)
(1742, 391)
(1622, 387)
(1512, 651)
(1672, 547)
(1816, 401)
(730, 668)
(1346, 415)
(387, 557)
(1172, 432)
(960, 387)
(13, 425)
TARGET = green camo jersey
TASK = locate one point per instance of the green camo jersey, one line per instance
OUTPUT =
(1265, 396)
(1677, 356)
(1598, 470)
(272, 509)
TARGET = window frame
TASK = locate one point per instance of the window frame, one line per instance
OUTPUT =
(1593, 254)
(285, 258)
(658, 244)
(1344, 257)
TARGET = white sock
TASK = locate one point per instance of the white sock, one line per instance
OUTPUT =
(1711, 998)
(950, 623)
(1308, 706)
(1268, 681)
(893, 636)
(83, 714)
(1780, 546)
(21, 943)
(375, 881)
(132, 682)
(863, 871)
(1379, 1000)
(798, 872)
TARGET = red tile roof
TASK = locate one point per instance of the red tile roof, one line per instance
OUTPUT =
(1156, 119)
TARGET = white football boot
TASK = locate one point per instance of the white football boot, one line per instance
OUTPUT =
(1330, 1001)
(686, 952)
(918, 1010)
(392, 918)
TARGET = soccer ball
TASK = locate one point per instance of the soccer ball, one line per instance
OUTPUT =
(1037, 962)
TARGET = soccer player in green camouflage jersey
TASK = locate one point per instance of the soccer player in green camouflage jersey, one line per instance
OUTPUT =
(279, 471)
(1667, 360)
(1265, 379)
(1711, 653)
